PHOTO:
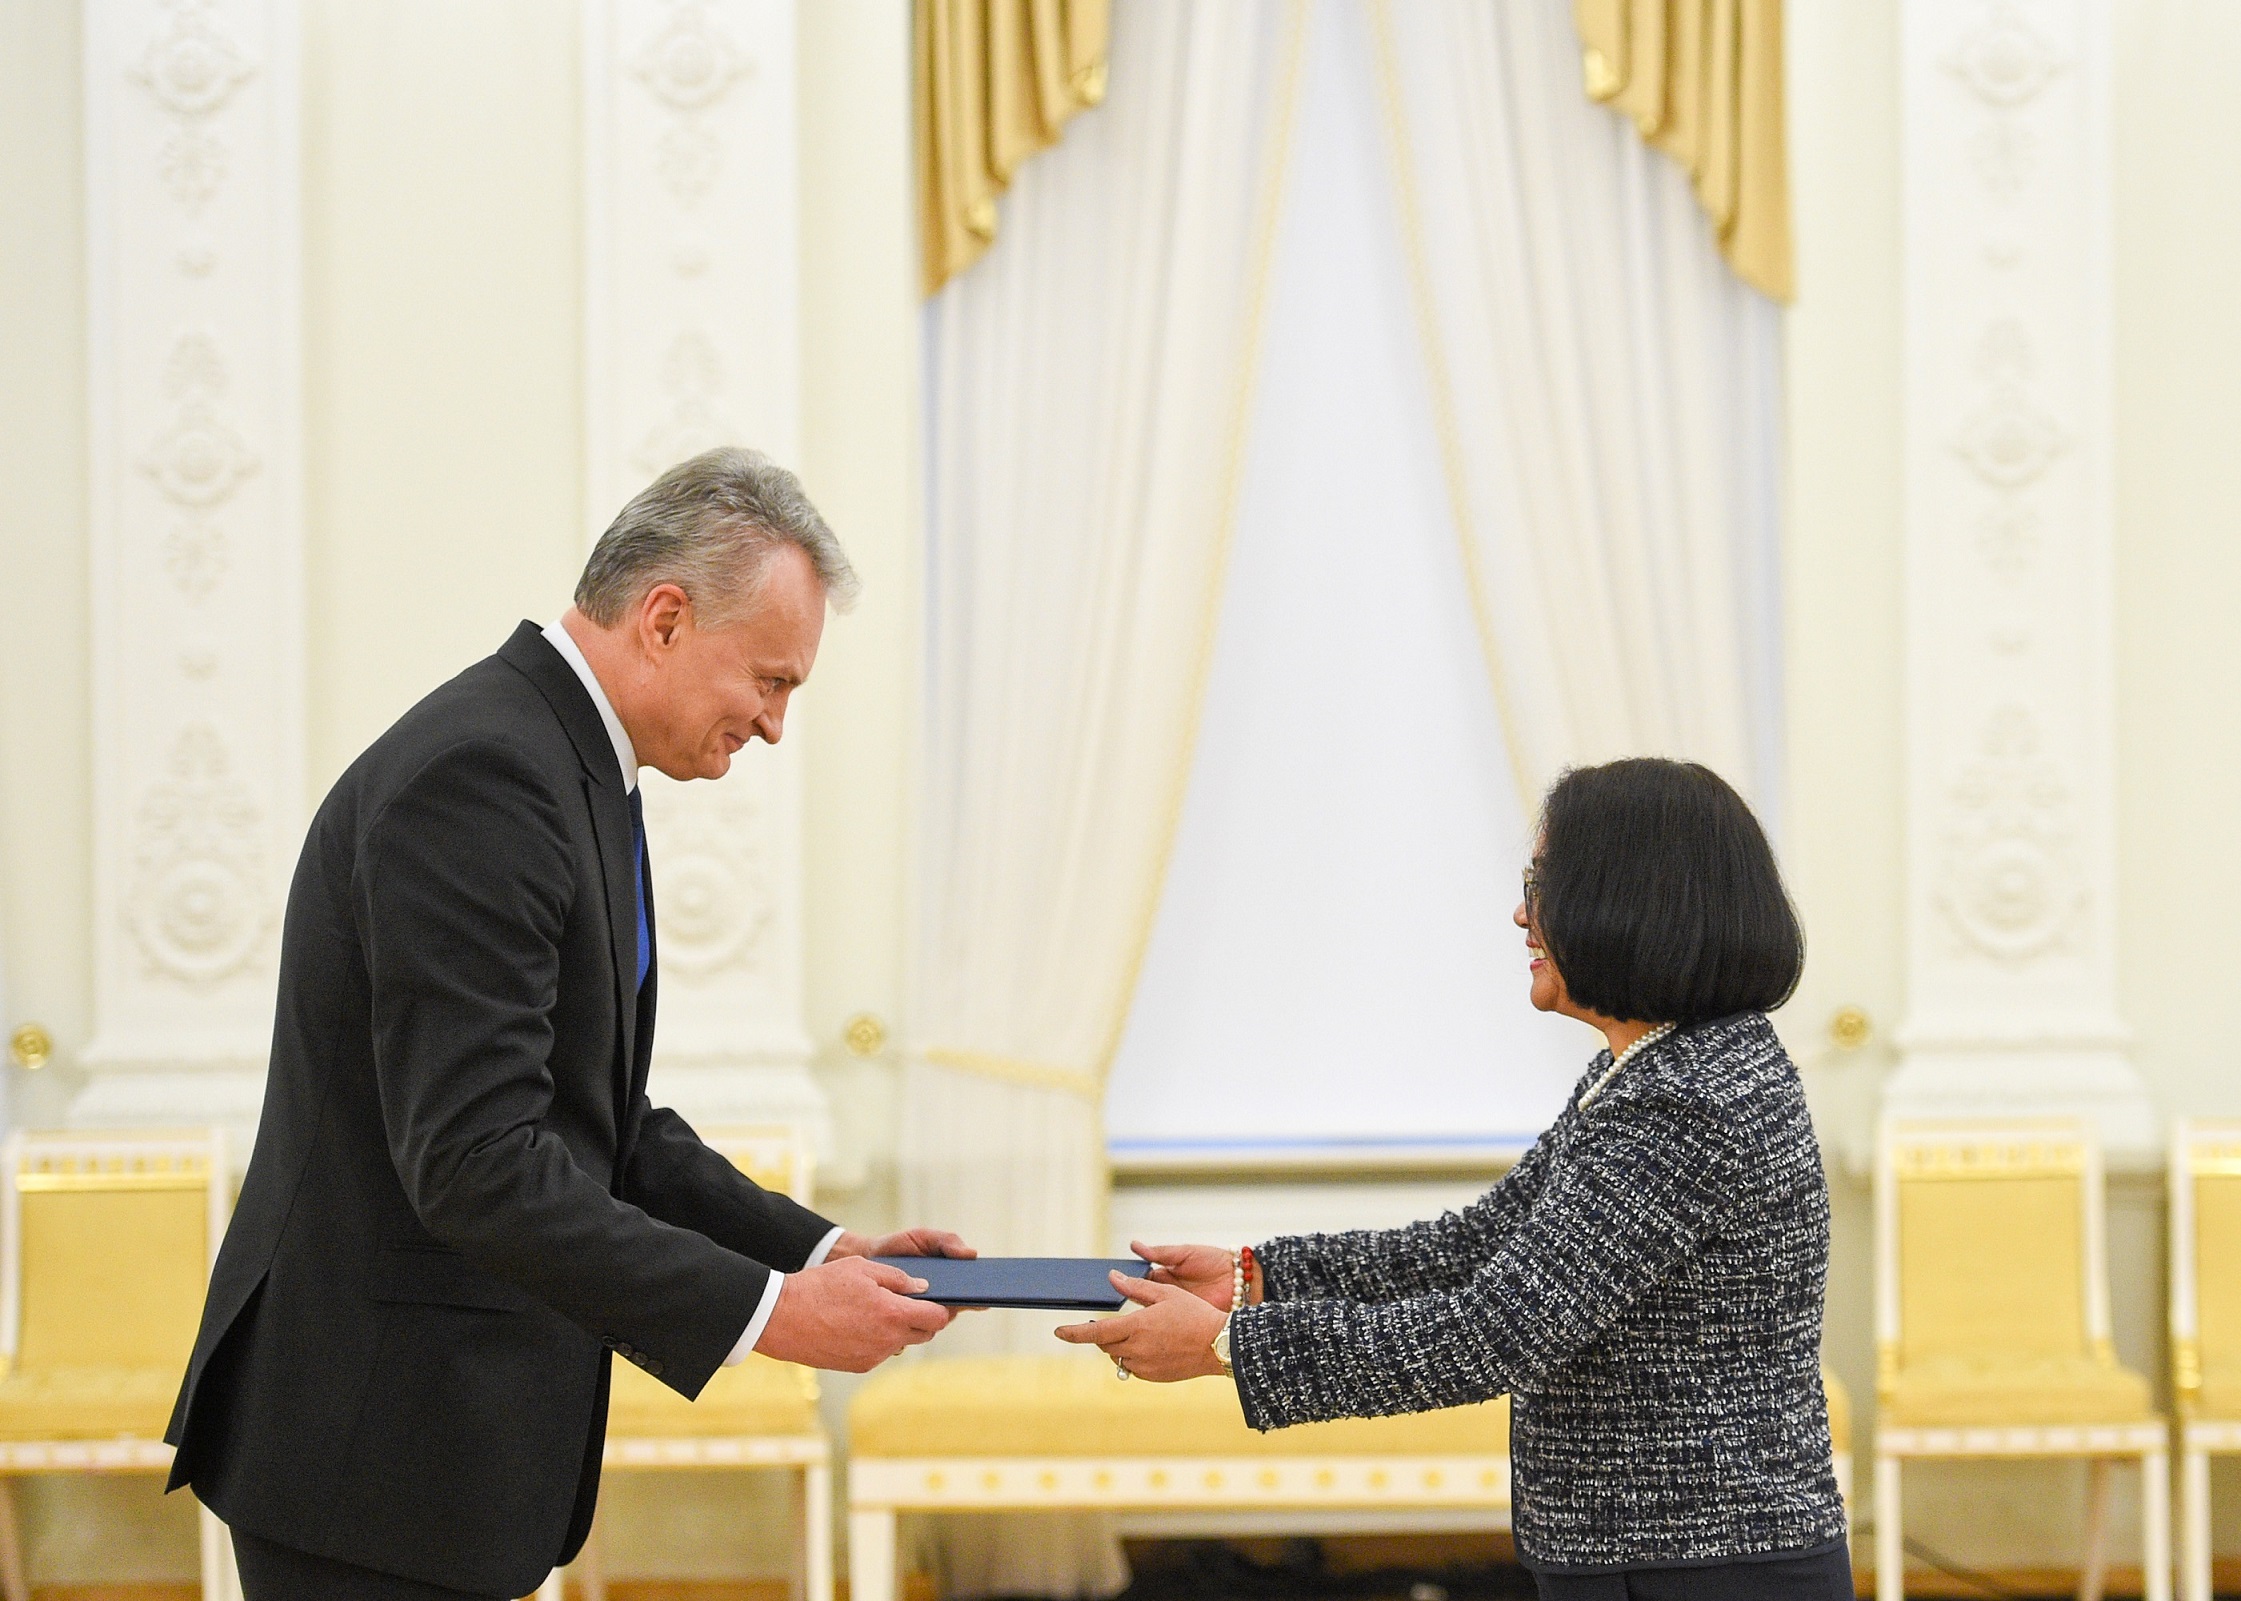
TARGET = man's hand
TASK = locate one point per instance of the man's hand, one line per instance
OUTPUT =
(849, 1315)
(910, 1242)
(1171, 1338)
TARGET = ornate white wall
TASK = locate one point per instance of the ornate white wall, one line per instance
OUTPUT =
(2009, 609)
(692, 299)
(196, 530)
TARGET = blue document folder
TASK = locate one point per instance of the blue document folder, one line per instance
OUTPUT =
(1038, 1283)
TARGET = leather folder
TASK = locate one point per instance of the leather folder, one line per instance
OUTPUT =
(1036, 1283)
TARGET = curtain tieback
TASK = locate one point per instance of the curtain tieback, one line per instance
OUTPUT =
(1017, 1070)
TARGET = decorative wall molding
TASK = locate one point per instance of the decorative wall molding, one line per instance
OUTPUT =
(192, 240)
(2007, 234)
(692, 301)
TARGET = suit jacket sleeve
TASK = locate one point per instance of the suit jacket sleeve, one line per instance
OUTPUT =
(678, 1179)
(462, 887)
(1373, 1265)
(1638, 1194)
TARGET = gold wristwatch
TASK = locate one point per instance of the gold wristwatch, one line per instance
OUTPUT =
(1221, 1347)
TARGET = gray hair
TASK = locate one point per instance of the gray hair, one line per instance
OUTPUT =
(710, 526)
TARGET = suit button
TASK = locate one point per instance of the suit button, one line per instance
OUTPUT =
(608, 1341)
(653, 1366)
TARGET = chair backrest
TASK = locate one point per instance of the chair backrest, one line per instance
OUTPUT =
(1989, 1242)
(778, 1156)
(2205, 1175)
(106, 1242)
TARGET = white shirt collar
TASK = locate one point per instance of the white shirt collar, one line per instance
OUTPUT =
(625, 757)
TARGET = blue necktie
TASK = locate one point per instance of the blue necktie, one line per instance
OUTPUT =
(638, 878)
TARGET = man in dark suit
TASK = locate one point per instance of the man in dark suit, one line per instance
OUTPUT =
(461, 1200)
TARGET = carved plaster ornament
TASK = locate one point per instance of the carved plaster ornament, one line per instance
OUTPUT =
(197, 906)
(692, 375)
(195, 68)
(714, 888)
(2004, 61)
(691, 63)
(2011, 888)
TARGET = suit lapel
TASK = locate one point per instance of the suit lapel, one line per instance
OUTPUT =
(610, 813)
(533, 656)
(642, 1053)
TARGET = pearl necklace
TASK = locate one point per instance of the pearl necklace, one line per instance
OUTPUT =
(1624, 1057)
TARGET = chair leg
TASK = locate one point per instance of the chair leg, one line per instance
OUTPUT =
(220, 1580)
(1890, 1542)
(591, 1563)
(2093, 1575)
(817, 1532)
(2194, 1523)
(2155, 1526)
(13, 1585)
(871, 1555)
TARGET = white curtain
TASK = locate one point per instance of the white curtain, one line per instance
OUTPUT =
(1606, 392)
(1088, 385)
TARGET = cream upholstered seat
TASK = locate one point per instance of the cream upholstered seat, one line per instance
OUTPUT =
(1992, 1324)
(1061, 1432)
(760, 1414)
(2205, 1173)
(107, 1243)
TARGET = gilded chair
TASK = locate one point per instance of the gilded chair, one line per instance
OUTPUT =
(1840, 1434)
(761, 1414)
(1992, 1326)
(2205, 1176)
(106, 1242)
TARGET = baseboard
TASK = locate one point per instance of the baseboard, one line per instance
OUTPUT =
(915, 1587)
(1928, 1584)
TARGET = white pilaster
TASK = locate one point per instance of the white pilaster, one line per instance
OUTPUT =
(193, 227)
(691, 213)
(2011, 849)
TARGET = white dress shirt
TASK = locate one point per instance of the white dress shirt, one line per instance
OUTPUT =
(626, 757)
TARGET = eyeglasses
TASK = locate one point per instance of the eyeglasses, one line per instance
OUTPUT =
(1532, 889)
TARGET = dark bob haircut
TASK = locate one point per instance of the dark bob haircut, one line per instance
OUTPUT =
(1657, 897)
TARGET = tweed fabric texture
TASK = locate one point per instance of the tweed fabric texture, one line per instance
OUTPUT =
(1645, 1285)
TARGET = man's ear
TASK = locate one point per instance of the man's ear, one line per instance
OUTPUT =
(662, 614)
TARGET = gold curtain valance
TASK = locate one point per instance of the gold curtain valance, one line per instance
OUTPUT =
(996, 81)
(1702, 80)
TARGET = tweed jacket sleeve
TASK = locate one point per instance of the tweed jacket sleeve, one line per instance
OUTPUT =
(1395, 1264)
(1644, 1180)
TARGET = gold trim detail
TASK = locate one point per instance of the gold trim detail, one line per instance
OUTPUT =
(2186, 1368)
(1851, 1028)
(2220, 1159)
(49, 1174)
(1999, 1159)
(31, 1047)
(1600, 78)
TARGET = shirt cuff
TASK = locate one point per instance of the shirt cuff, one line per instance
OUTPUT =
(757, 1323)
(753, 1333)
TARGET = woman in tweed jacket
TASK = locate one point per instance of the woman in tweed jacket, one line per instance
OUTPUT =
(1645, 1284)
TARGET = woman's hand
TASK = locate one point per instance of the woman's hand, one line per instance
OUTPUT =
(1204, 1270)
(1171, 1338)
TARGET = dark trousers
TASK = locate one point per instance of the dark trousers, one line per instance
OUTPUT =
(1821, 1576)
(274, 1572)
